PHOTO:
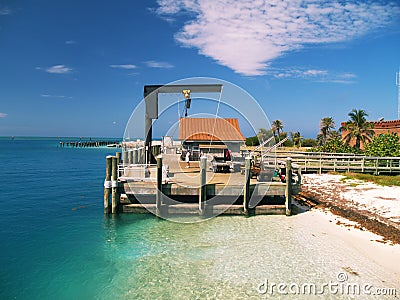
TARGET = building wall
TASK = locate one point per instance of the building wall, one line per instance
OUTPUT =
(379, 128)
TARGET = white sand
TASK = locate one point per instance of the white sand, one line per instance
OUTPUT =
(363, 241)
(383, 201)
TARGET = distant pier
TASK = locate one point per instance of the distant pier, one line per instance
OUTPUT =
(90, 144)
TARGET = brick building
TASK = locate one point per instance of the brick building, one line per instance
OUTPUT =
(379, 128)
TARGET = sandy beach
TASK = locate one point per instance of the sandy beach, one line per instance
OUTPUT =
(375, 208)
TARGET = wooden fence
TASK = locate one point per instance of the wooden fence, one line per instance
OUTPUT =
(322, 162)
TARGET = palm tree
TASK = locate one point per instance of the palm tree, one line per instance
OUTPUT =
(335, 134)
(296, 138)
(278, 126)
(264, 134)
(326, 126)
(358, 128)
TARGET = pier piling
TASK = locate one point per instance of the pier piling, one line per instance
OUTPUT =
(159, 186)
(203, 186)
(246, 189)
(125, 157)
(107, 184)
(134, 156)
(114, 185)
(118, 156)
(288, 191)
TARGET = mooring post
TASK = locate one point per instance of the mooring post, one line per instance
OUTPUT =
(118, 156)
(125, 157)
(130, 157)
(288, 192)
(299, 175)
(107, 185)
(159, 186)
(114, 185)
(203, 186)
(135, 156)
(246, 188)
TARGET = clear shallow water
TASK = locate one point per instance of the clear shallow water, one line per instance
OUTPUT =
(57, 244)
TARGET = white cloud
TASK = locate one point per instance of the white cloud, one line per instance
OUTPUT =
(3, 115)
(55, 96)
(246, 35)
(4, 11)
(158, 64)
(316, 75)
(127, 67)
(58, 69)
(70, 42)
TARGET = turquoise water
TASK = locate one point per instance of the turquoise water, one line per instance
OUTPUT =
(57, 244)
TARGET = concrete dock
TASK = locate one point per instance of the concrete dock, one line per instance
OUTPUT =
(185, 192)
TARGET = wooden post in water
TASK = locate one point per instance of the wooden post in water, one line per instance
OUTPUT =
(107, 185)
(114, 184)
(125, 157)
(288, 192)
(246, 188)
(159, 186)
(118, 156)
(299, 175)
(135, 156)
(203, 186)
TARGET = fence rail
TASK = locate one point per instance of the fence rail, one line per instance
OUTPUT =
(343, 163)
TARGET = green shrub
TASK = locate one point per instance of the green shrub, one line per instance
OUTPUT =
(386, 144)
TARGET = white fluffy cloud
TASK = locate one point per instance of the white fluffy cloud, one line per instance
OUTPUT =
(246, 35)
(58, 69)
(3, 115)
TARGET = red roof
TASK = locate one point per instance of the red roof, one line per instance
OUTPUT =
(209, 129)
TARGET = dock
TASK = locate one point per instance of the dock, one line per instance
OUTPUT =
(136, 187)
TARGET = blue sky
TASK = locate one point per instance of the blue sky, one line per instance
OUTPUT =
(77, 68)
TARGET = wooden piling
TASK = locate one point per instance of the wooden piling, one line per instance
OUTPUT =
(107, 184)
(130, 157)
(288, 191)
(118, 156)
(203, 186)
(114, 192)
(246, 188)
(299, 176)
(135, 156)
(125, 157)
(159, 186)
